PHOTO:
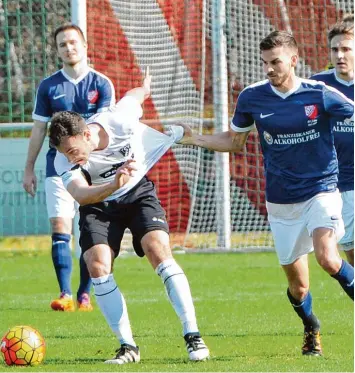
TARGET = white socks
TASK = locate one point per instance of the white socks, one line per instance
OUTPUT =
(178, 290)
(113, 306)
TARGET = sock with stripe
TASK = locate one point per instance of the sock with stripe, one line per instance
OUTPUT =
(113, 306)
(345, 277)
(62, 260)
(303, 309)
(178, 290)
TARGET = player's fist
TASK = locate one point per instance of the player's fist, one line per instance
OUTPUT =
(187, 139)
(124, 173)
(30, 182)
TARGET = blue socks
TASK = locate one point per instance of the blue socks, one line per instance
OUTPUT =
(304, 311)
(345, 277)
(62, 260)
(85, 280)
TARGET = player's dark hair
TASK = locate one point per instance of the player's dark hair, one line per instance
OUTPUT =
(68, 26)
(344, 27)
(278, 39)
(65, 124)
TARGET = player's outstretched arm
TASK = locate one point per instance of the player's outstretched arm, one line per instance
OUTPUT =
(228, 141)
(143, 92)
(38, 134)
(86, 194)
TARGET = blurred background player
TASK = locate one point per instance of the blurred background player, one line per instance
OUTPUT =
(94, 160)
(303, 203)
(79, 88)
(341, 77)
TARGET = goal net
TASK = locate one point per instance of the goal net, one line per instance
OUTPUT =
(173, 38)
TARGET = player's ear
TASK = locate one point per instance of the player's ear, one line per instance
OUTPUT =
(87, 135)
(294, 60)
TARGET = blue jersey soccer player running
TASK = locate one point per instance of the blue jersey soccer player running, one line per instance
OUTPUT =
(292, 116)
(79, 88)
(341, 77)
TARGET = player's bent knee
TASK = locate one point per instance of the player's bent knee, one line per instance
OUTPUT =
(156, 246)
(298, 291)
(61, 225)
(98, 260)
(330, 263)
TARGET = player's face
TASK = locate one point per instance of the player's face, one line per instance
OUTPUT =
(278, 64)
(71, 47)
(342, 55)
(76, 148)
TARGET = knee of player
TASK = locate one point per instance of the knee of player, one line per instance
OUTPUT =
(97, 266)
(156, 243)
(329, 261)
(299, 291)
(98, 269)
(61, 225)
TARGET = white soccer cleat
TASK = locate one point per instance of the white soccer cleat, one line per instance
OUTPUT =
(126, 354)
(196, 347)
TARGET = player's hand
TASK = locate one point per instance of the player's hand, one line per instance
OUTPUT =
(147, 81)
(30, 182)
(124, 173)
(187, 139)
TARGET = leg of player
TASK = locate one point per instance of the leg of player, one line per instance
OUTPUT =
(60, 212)
(156, 247)
(325, 247)
(83, 293)
(99, 260)
(350, 255)
(347, 242)
(301, 300)
(62, 261)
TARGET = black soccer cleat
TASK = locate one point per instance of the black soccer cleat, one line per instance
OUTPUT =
(311, 343)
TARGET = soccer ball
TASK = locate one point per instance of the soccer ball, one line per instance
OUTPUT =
(23, 345)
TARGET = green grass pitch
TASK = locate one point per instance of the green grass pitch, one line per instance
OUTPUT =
(241, 304)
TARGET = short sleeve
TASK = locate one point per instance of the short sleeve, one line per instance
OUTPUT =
(129, 107)
(106, 94)
(242, 120)
(42, 109)
(336, 103)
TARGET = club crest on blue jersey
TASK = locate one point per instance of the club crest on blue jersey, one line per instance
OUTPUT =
(93, 96)
(312, 113)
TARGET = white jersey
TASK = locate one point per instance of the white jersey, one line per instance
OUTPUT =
(128, 138)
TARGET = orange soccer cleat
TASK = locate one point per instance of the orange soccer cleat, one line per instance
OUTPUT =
(84, 303)
(63, 303)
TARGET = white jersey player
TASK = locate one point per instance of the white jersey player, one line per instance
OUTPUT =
(103, 164)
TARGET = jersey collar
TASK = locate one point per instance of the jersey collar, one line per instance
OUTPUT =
(341, 81)
(290, 92)
(77, 80)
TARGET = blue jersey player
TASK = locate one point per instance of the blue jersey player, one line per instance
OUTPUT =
(79, 88)
(341, 77)
(293, 119)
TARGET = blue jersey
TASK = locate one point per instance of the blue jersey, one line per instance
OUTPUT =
(296, 136)
(92, 92)
(343, 132)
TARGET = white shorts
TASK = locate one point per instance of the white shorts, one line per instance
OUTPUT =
(347, 242)
(60, 204)
(292, 225)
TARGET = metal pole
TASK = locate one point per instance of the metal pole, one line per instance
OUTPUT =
(78, 14)
(220, 100)
(78, 17)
